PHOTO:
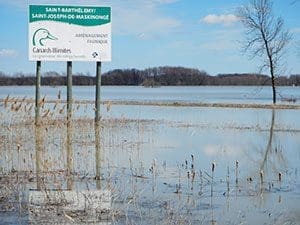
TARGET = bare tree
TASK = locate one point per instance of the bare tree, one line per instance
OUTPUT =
(265, 35)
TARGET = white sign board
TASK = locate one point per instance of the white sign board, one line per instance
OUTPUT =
(69, 33)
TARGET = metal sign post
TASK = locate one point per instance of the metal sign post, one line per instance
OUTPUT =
(98, 86)
(69, 91)
(70, 167)
(37, 92)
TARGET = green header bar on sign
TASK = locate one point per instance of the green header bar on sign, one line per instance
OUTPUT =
(79, 15)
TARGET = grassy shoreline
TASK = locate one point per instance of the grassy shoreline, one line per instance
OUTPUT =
(167, 104)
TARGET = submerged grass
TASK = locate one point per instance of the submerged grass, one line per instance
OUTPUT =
(114, 156)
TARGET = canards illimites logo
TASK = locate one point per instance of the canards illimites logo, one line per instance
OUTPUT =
(41, 36)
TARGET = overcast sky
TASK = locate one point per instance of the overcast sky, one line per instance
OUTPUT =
(202, 34)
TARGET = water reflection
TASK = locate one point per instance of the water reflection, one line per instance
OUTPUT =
(145, 164)
(98, 154)
(269, 144)
(70, 161)
(38, 155)
(274, 160)
(75, 204)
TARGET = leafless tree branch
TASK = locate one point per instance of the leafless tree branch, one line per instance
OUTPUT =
(265, 35)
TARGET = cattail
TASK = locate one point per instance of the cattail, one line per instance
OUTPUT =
(30, 108)
(193, 175)
(236, 171)
(6, 101)
(192, 164)
(18, 107)
(46, 113)
(62, 109)
(12, 107)
(213, 165)
(279, 176)
(59, 94)
(108, 107)
(151, 169)
(261, 176)
(41, 101)
(227, 180)
(55, 105)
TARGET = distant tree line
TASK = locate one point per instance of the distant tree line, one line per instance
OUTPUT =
(157, 76)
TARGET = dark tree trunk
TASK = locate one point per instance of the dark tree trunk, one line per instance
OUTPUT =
(273, 89)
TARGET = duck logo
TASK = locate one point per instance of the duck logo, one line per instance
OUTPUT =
(41, 35)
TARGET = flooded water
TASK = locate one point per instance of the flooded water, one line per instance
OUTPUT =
(205, 94)
(160, 164)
